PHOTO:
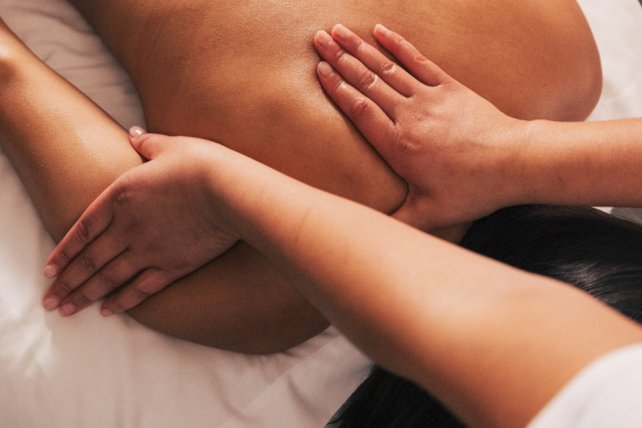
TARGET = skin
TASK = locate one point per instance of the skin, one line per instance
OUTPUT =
(203, 82)
(83, 152)
(453, 331)
(461, 157)
(421, 121)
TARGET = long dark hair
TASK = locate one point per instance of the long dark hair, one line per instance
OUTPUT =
(592, 250)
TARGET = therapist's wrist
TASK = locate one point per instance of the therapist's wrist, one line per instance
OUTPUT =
(225, 182)
(241, 193)
(513, 168)
(533, 169)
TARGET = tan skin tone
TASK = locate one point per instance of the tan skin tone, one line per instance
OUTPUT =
(409, 313)
(476, 338)
(425, 123)
(231, 82)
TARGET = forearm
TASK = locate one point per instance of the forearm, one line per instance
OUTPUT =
(448, 319)
(583, 163)
(64, 148)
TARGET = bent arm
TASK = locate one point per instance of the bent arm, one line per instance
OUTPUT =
(474, 332)
(403, 297)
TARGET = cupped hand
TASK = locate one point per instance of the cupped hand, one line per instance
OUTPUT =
(455, 150)
(152, 226)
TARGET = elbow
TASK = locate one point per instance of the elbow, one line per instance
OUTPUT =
(592, 90)
(579, 71)
(8, 65)
(584, 88)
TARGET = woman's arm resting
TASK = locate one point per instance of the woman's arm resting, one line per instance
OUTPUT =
(463, 158)
(476, 337)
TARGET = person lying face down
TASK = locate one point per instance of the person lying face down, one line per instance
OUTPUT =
(243, 75)
(451, 320)
(499, 313)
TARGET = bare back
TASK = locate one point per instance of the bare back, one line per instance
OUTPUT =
(242, 73)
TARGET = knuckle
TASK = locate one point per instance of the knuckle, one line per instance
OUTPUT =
(145, 141)
(81, 298)
(121, 195)
(83, 231)
(63, 287)
(388, 68)
(420, 59)
(356, 44)
(148, 287)
(337, 84)
(155, 282)
(398, 42)
(139, 294)
(107, 281)
(360, 107)
(88, 262)
(64, 257)
(339, 55)
(367, 80)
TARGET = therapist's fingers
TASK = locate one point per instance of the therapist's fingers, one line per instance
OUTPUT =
(148, 283)
(149, 146)
(398, 78)
(84, 266)
(91, 224)
(357, 74)
(367, 116)
(409, 56)
(112, 277)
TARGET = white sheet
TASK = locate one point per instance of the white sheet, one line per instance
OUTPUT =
(621, 51)
(88, 371)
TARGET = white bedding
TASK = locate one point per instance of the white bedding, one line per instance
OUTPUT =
(87, 371)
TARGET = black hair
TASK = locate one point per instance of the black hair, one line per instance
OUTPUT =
(594, 251)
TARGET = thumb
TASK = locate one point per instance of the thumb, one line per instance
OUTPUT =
(415, 214)
(149, 146)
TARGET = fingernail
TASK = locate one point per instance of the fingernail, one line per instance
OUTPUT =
(341, 32)
(323, 37)
(136, 131)
(380, 28)
(50, 303)
(324, 69)
(50, 271)
(67, 309)
(106, 312)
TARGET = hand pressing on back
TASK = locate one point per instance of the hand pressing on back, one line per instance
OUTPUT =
(456, 151)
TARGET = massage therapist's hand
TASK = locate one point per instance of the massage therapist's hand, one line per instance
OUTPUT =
(453, 148)
(152, 226)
